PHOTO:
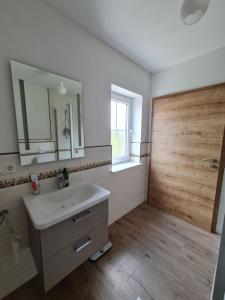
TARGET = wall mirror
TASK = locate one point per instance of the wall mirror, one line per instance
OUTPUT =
(49, 114)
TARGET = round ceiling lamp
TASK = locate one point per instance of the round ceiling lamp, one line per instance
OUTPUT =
(61, 89)
(193, 10)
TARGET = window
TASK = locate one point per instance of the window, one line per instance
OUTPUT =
(126, 127)
(120, 127)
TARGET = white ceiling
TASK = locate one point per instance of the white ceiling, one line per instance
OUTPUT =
(149, 32)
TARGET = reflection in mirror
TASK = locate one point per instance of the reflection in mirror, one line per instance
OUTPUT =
(49, 115)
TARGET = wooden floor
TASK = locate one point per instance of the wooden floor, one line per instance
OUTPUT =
(154, 256)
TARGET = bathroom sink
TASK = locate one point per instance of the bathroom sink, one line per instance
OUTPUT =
(46, 210)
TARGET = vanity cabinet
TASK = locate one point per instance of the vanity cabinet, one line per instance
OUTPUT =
(61, 248)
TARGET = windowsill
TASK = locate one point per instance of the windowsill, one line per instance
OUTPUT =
(124, 165)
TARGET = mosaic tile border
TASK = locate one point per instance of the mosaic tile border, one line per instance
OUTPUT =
(148, 142)
(49, 174)
(140, 155)
(145, 155)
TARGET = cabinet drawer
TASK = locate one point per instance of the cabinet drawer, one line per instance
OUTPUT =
(64, 262)
(61, 235)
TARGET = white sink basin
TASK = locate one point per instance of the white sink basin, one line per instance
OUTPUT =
(49, 209)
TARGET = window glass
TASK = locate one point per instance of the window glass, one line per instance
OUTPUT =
(113, 115)
(118, 144)
(121, 116)
(119, 130)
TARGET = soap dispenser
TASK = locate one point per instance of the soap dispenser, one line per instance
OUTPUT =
(66, 177)
(35, 184)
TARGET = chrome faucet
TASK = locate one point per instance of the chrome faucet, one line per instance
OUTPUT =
(63, 178)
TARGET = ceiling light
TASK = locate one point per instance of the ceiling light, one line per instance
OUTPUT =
(193, 10)
(61, 89)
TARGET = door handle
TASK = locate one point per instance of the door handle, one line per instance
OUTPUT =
(213, 160)
(213, 166)
(84, 245)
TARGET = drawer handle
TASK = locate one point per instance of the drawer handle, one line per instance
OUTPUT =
(88, 242)
(82, 218)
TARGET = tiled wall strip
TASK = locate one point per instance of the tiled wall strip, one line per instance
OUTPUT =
(37, 153)
(48, 174)
(49, 152)
(86, 147)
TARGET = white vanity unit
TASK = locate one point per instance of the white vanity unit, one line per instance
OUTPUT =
(65, 228)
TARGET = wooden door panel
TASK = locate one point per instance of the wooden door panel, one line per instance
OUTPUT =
(187, 130)
(188, 174)
(170, 182)
(187, 211)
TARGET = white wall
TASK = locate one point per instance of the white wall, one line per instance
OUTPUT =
(202, 71)
(33, 33)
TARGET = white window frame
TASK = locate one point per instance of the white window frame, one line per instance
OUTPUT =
(128, 101)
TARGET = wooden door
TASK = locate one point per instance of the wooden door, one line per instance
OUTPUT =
(187, 162)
